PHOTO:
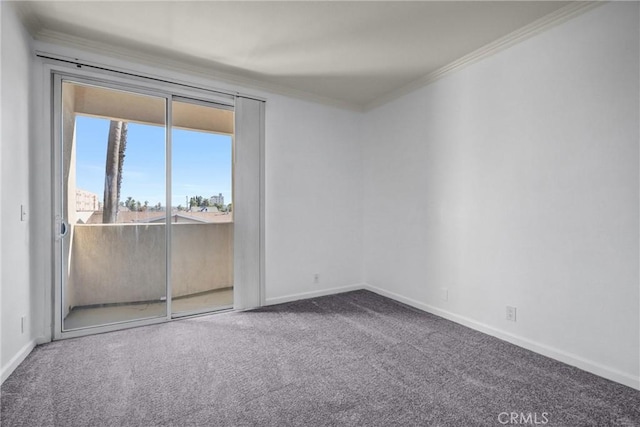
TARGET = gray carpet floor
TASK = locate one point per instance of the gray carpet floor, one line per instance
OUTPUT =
(354, 359)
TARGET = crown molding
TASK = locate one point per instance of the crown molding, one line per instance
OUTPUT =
(546, 22)
(154, 60)
(163, 63)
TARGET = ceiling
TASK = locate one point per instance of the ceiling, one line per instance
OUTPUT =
(347, 53)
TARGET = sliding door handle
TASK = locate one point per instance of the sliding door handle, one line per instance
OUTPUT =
(62, 228)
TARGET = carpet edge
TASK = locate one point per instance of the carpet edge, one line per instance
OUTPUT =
(590, 366)
(17, 359)
(314, 294)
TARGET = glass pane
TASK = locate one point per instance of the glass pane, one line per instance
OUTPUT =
(114, 193)
(202, 208)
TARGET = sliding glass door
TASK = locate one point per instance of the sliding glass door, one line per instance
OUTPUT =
(202, 223)
(144, 209)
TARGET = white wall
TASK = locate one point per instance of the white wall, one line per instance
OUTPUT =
(16, 287)
(313, 198)
(514, 181)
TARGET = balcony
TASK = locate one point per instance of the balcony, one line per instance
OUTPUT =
(117, 271)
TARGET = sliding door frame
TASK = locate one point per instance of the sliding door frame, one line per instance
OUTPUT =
(54, 71)
(61, 257)
(208, 104)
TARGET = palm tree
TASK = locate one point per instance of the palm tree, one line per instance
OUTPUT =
(116, 145)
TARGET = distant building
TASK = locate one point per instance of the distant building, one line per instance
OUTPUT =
(87, 201)
(217, 200)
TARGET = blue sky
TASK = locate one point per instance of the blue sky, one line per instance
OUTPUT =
(201, 163)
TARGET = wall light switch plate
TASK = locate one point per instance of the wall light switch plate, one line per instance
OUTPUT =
(511, 314)
(23, 213)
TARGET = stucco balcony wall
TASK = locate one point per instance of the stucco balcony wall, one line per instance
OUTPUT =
(121, 263)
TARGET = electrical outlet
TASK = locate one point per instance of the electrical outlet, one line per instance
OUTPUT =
(316, 277)
(444, 294)
(511, 314)
(23, 322)
(23, 213)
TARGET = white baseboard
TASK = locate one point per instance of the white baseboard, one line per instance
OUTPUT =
(17, 359)
(314, 294)
(554, 353)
